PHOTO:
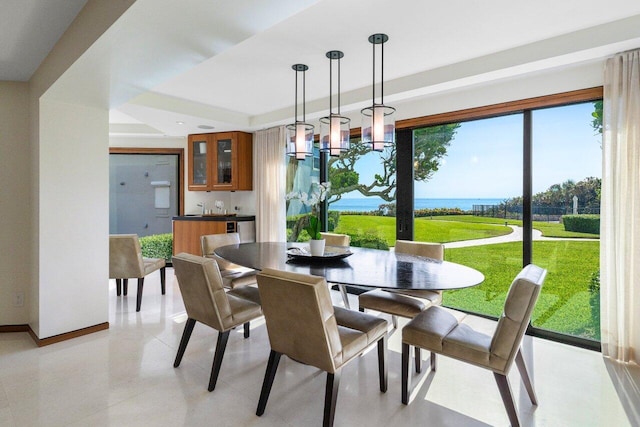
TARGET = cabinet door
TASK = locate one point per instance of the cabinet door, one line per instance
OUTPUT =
(225, 162)
(200, 160)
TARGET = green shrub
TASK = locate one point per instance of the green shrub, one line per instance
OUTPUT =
(369, 239)
(157, 246)
(421, 213)
(334, 218)
(582, 223)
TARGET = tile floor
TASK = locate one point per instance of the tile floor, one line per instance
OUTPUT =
(124, 376)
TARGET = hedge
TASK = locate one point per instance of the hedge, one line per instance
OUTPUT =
(157, 246)
(582, 223)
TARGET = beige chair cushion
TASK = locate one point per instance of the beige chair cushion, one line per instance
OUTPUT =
(429, 328)
(303, 324)
(392, 303)
(405, 302)
(204, 297)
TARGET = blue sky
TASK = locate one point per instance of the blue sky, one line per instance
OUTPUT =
(485, 158)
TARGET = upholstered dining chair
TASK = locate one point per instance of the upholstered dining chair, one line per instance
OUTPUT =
(303, 324)
(126, 262)
(233, 275)
(335, 239)
(405, 303)
(447, 332)
(207, 302)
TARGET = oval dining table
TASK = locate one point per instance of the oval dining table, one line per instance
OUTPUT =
(373, 268)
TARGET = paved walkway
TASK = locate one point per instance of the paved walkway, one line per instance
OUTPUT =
(514, 236)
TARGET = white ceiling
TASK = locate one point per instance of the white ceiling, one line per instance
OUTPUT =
(228, 64)
(28, 31)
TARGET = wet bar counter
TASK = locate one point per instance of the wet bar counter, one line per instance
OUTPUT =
(187, 230)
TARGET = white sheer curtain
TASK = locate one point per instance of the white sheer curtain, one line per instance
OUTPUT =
(269, 178)
(620, 220)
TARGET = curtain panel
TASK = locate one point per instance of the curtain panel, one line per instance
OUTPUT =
(269, 184)
(620, 219)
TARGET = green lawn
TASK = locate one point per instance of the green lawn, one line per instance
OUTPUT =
(563, 305)
(548, 229)
(564, 302)
(426, 230)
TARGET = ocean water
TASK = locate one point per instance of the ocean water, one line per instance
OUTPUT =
(372, 203)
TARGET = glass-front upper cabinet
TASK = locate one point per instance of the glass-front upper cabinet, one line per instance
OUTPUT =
(224, 160)
(199, 161)
(220, 161)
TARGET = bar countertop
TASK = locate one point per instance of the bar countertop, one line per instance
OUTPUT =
(214, 218)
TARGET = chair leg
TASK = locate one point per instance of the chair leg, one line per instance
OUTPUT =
(418, 357)
(186, 334)
(118, 287)
(405, 373)
(522, 367)
(394, 320)
(382, 363)
(269, 375)
(125, 286)
(139, 296)
(345, 297)
(507, 398)
(246, 330)
(163, 281)
(223, 337)
(433, 361)
(330, 398)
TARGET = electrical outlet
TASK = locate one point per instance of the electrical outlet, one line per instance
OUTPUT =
(18, 299)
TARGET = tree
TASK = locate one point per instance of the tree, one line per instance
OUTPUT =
(430, 146)
(596, 123)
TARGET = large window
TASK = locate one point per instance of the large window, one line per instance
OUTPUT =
(477, 202)
(470, 169)
(567, 167)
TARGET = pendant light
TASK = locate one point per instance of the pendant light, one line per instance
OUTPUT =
(334, 128)
(300, 134)
(378, 123)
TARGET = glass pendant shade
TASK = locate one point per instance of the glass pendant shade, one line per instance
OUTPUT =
(300, 134)
(334, 128)
(378, 121)
(334, 134)
(378, 126)
(300, 140)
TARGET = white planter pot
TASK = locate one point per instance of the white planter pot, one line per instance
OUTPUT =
(316, 247)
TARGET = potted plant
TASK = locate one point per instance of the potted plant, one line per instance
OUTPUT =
(317, 194)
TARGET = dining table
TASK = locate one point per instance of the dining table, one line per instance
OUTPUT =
(355, 266)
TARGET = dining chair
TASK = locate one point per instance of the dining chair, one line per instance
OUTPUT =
(405, 302)
(207, 302)
(233, 275)
(126, 262)
(336, 239)
(447, 332)
(303, 324)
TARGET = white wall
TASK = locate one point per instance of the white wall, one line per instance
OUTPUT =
(74, 217)
(51, 306)
(15, 274)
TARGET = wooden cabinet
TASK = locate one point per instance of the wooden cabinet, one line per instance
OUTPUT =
(220, 161)
(186, 234)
